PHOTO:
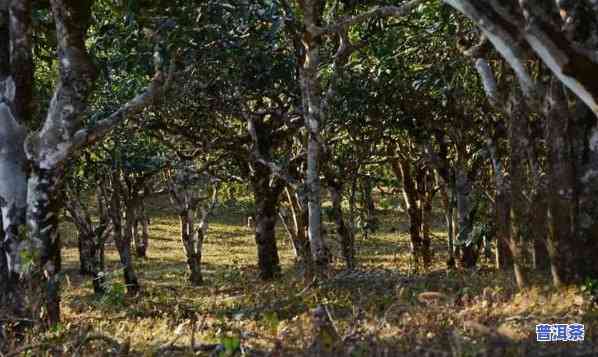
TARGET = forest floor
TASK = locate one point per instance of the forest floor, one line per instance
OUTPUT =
(385, 303)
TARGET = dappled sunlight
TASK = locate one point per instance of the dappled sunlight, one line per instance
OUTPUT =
(385, 298)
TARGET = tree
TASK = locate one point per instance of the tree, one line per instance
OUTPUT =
(189, 189)
(34, 196)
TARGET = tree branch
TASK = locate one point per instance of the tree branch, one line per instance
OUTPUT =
(382, 11)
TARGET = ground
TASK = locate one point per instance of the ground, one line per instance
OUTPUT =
(386, 303)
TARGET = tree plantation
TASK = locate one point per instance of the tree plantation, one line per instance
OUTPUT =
(299, 178)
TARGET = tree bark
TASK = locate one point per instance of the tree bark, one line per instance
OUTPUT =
(586, 242)
(538, 223)
(91, 237)
(121, 239)
(518, 142)
(184, 188)
(562, 205)
(465, 216)
(344, 233)
(143, 239)
(403, 171)
(427, 192)
(43, 209)
(299, 231)
(266, 214)
(448, 205)
(311, 97)
(192, 239)
(504, 259)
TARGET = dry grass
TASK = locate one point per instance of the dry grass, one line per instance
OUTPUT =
(460, 313)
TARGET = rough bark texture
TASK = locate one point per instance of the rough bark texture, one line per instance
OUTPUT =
(266, 214)
(15, 93)
(186, 186)
(586, 243)
(515, 27)
(343, 231)
(538, 223)
(504, 258)
(561, 171)
(43, 209)
(142, 238)
(121, 240)
(448, 205)
(465, 217)
(91, 236)
(404, 171)
(192, 239)
(47, 149)
(311, 95)
(297, 230)
(518, 144)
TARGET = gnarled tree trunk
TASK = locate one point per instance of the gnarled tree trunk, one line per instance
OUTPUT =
(562, 185)
(266, 213)
(403, 170)
(344, 232)
(121, 239)
(518, 113)
(185, 187)
(297, 230)
(38, 191)
(92, 237)
(465, 217)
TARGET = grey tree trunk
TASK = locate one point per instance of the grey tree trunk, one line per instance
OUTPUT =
(297, 230)
(311, 96)
(43, 209)
(36, 194)
(142, 238)
(448, 205)
(192, 239)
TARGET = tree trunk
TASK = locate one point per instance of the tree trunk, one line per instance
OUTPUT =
(504, 259)
(122, 241)
(43, 210)
(502, 208)
(518, 113)
(369, 204)
(311, 98)
(427, 193)
(465, 216)
(136, 217)
(539, 229)
(562, 200)
(145, 221)
(266, 211)
(586, 242)
(448, 205)
(13, 196)
(344, 233)
(403, 170)
(192, 242)
(91, 258)
(131, 218)
(299, 232)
